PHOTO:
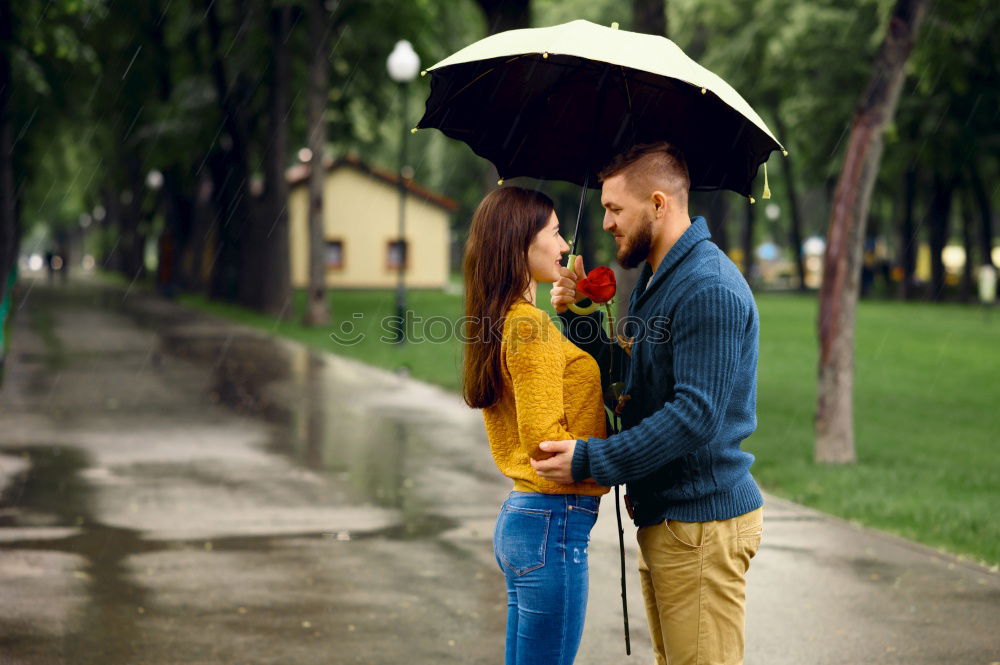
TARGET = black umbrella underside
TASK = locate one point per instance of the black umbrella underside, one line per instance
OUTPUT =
(564, 118)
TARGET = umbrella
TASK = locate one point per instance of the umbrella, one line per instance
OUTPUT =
(558, 103)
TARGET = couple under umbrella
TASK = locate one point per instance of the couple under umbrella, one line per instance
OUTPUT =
(570, 413)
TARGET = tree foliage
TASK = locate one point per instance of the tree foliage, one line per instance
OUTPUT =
(103, 96)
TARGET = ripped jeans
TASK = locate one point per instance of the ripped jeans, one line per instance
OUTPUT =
(540, 544)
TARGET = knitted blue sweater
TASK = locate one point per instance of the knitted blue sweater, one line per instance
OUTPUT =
(692, 378)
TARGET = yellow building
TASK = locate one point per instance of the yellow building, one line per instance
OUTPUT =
(361, 228)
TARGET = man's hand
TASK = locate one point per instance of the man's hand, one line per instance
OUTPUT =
(563, 291)
(559, 466)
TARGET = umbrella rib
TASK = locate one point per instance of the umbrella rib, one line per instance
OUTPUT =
(628, 95)
(579, 214)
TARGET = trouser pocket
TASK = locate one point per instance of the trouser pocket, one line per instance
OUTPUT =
(750, 528)
(521, 538)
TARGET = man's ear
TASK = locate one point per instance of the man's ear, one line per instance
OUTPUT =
(659, 200)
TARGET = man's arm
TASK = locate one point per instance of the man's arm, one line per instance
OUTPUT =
(708, 331)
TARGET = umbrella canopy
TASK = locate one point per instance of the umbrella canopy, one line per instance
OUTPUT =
(559, 103)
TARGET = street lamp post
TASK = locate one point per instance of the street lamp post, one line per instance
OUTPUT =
(403, 64)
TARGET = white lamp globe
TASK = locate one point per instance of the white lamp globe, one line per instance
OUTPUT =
(403, 63)
(154, 179)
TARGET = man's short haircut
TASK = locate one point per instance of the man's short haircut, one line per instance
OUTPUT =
(652, 166)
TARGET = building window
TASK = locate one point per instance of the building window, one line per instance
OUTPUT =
(397, 255)
(334, 255)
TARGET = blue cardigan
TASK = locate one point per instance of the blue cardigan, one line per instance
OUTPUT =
(692, 378)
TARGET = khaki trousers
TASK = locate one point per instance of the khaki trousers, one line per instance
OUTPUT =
(694, 584)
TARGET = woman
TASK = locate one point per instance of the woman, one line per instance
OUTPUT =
(533, 385)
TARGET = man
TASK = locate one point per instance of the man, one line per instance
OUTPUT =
(691, 383)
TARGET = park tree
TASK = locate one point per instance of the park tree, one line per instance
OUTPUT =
(190, 90)
(230, 165)
(331, 75)
(502, 15)
(773, 64)
(946, 138)
(43, 58)
(320, 24)
(270, 228)
(842, 263)
(8, 220)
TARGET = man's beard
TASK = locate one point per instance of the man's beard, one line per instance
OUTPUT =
(637, 246)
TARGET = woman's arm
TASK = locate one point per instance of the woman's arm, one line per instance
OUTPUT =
(536, 362)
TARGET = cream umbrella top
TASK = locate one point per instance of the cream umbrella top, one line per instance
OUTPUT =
(580, 38)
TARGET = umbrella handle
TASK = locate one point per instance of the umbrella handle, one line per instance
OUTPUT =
(573, 307)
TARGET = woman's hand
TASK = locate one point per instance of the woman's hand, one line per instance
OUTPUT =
(563, 292)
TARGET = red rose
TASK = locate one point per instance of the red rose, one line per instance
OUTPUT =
(598, 285)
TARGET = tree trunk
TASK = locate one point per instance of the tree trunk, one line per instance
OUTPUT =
(939, 218)
(317, 307)
(230, 170)
(133, 241)
(968, 288)
(502, 15)
(272, 235)
(746, 241)
(715, 206)
(908, 240)
(985, 216)
(176, 198)
(8, 216)
(188, 265)
(795, 228)
(849, 212)
(198, 256)
(649, 16)
(112, 258)
(179, 218)
(131, 250)
(868, 262)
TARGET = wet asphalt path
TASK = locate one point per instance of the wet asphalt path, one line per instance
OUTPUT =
(182, 490)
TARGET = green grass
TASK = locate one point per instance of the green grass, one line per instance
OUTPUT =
(926, 404)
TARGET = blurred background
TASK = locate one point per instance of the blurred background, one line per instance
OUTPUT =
(155, 141)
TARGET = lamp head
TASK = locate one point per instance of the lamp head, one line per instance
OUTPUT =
(403, 63)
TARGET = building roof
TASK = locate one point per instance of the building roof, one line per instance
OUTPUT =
(299, 175)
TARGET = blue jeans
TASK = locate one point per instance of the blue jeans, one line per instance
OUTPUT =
(540, 544)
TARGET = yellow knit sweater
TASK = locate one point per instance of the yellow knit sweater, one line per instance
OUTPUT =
(551, 391)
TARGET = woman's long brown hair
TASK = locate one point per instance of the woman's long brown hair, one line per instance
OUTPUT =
(496, 276)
